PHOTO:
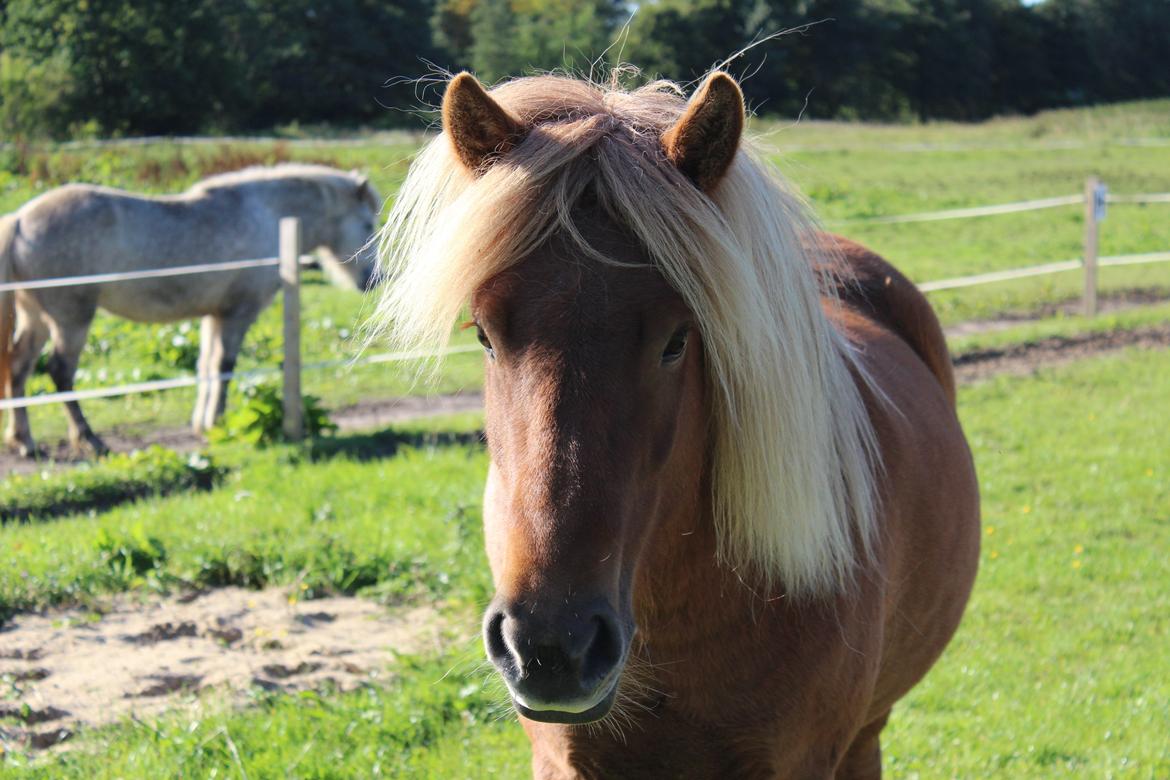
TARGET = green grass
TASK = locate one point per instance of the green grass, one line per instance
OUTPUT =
(859, 182)
(1058, 669)
(1115, 124)
(401, 527)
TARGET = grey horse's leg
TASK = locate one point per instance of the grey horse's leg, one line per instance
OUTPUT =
(226, 349)
(30, 337)
(67, 346)
(208, 346)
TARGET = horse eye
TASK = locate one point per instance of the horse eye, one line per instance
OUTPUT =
(487, 344)
(676, 346)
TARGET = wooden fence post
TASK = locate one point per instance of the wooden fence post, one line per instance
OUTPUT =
(290, 282)
(1092, 218)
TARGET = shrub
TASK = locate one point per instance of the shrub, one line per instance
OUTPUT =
(260, 419)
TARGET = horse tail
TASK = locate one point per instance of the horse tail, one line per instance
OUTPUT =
(7, 305)
(872, 285)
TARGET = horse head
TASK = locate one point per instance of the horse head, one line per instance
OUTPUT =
(350, 249)
(596, 417)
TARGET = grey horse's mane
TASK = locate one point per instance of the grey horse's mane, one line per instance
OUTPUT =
(270, 172)
(322, 174)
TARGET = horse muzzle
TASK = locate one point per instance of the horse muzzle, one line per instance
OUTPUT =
(563, 668)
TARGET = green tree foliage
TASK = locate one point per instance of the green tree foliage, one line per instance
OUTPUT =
(157, 66)
(499, 38)
(328, 61)
(144, 65)
(955, 59)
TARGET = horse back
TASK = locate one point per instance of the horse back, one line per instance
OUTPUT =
(870, 285)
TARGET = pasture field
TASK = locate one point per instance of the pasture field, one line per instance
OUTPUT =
(1057, 670)
(848, 172)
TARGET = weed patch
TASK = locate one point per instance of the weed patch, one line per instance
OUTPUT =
(259, 420)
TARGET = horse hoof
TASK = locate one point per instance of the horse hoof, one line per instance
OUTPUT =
(91, 447)
(23, 448)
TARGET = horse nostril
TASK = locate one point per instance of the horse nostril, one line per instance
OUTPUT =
(604, 652)
(497, 648)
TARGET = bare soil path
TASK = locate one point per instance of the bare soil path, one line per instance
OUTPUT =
(66, 669)
(1108, 303)
(1056, 350)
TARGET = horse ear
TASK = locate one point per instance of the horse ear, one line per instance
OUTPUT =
(480, 129)
(703, 142)
(363, 187)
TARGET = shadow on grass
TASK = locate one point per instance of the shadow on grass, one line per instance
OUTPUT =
(387, 443)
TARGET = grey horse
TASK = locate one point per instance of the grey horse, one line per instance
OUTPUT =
(80, 229)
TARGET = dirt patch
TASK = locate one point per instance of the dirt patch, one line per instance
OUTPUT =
(374, 413)
(1107, 303)
(68, 669)
(1026, 358)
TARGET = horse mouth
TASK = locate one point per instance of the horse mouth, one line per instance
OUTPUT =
(569, 714)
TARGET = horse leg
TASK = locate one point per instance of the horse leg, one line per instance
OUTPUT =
(208, 343)
(67, 346)
(863, 760)
(30, 337)
(227, 348)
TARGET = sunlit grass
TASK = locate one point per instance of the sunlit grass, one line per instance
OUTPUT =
(1058, 668)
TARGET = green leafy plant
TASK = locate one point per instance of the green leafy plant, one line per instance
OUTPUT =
(177, 346)
(260, 419)
(132, 555)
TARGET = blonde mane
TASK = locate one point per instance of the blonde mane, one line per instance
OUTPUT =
(793, 457)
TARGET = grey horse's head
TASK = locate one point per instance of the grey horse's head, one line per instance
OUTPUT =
(350, 256)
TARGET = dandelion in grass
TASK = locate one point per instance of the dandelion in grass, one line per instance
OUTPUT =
(1027, 509)
(994, 554)
(990, 530)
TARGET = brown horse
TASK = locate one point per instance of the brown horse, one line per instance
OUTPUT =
(730, 514)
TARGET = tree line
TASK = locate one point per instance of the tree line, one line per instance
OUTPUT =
(123, 67)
